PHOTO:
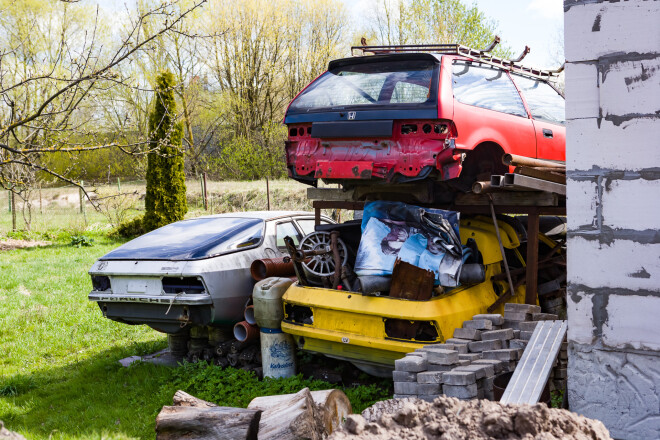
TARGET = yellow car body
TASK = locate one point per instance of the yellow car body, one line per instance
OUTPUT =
(351, 326)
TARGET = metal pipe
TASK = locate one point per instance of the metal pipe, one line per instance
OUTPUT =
(499, 240)
(481, 187)
(271, 267)
(515, 160)
(370, 284)
(336, 279)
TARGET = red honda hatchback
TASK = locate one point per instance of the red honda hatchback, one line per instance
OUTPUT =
(444, 119)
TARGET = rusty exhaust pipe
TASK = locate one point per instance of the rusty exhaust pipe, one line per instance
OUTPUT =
(515, 160)
(271, 267)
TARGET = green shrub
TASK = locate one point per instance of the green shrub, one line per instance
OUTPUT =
(232, 387)
(81, 241)
(130, 229)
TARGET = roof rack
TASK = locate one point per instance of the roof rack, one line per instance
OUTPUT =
(480, 55)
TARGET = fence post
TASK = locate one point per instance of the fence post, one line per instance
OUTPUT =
(13, 211)
(206, 202)
(82, 197)
(118, 185)
(267, 194)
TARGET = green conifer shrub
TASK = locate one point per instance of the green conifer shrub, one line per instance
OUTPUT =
(165, 200)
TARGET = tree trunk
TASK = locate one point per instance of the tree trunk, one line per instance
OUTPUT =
(192, 418)
(332, 407)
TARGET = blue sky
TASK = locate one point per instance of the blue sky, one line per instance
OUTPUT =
(536, 23)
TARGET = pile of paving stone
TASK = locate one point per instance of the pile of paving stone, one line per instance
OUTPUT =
(466, 365)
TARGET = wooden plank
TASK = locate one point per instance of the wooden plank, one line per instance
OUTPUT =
(330, 194)
(541, 174)
(532, 258)
(509, 198)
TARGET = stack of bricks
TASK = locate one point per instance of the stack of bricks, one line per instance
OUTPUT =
(465, 366)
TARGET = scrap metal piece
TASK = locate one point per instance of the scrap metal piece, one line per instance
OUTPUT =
(297, 265)
(533, 371)
(521, 181)
(411, 282)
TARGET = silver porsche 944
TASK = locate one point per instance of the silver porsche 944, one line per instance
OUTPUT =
(193, 272)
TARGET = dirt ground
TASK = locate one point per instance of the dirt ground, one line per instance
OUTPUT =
(9, 244)
(448, 418)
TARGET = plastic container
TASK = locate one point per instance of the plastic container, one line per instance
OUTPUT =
(277, 353)
(267, 299)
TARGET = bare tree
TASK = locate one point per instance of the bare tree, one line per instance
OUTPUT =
(55, 93)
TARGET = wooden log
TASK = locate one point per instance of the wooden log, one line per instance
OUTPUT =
(294, 417)
(188, 422)
(193, 418)
(333, 406)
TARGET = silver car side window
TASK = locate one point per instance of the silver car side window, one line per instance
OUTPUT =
(286, 229)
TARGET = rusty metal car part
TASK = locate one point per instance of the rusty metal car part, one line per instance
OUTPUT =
(297, 264)
(271, 267)
(315, 256)
(411, 282)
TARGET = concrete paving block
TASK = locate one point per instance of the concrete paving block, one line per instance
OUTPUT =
(544, 317)
(443, 357)
(478, 324)
(467, 333)
(405, 387)
(462, 362)
(515, 325)
(495, 318)
(469, 357)
(480, 370)
(479, 346)
(528, 326)
(506, 354)
(459, 378)
(505, 334)
(560, 373)
(525, 308)
(526, 336)
(461, 348)
(497, 365)
(460, 391)
(429, 377)
(404, 376)
(517, 316)
(516, 334)
(412, 364)
(428, 388)
(429, 397)
(457, 341)
(518, 343)
(443, 368)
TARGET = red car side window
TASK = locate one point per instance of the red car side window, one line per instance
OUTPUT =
(486, 87)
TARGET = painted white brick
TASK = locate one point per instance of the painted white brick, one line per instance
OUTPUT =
(582, 97)
(632, 204)
(631, 145)
(622, 264)
(625, 27)
(580, 317)
(581, 204)
(630, 87)
(632, 321)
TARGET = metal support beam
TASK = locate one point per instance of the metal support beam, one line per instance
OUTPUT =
(532, 257)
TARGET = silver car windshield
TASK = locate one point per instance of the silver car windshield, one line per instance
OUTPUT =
(193, 239)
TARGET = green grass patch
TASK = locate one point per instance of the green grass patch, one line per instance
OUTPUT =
(59, 371)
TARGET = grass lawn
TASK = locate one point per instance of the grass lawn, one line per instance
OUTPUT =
(59, 376)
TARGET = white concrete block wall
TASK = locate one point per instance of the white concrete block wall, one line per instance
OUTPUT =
(613, 167)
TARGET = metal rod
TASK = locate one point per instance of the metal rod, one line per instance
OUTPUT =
(515, 160)
(268, 193)
(82, 197)
(499, 240)
(532, 257)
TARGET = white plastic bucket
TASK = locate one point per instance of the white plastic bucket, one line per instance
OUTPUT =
(277, 353)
